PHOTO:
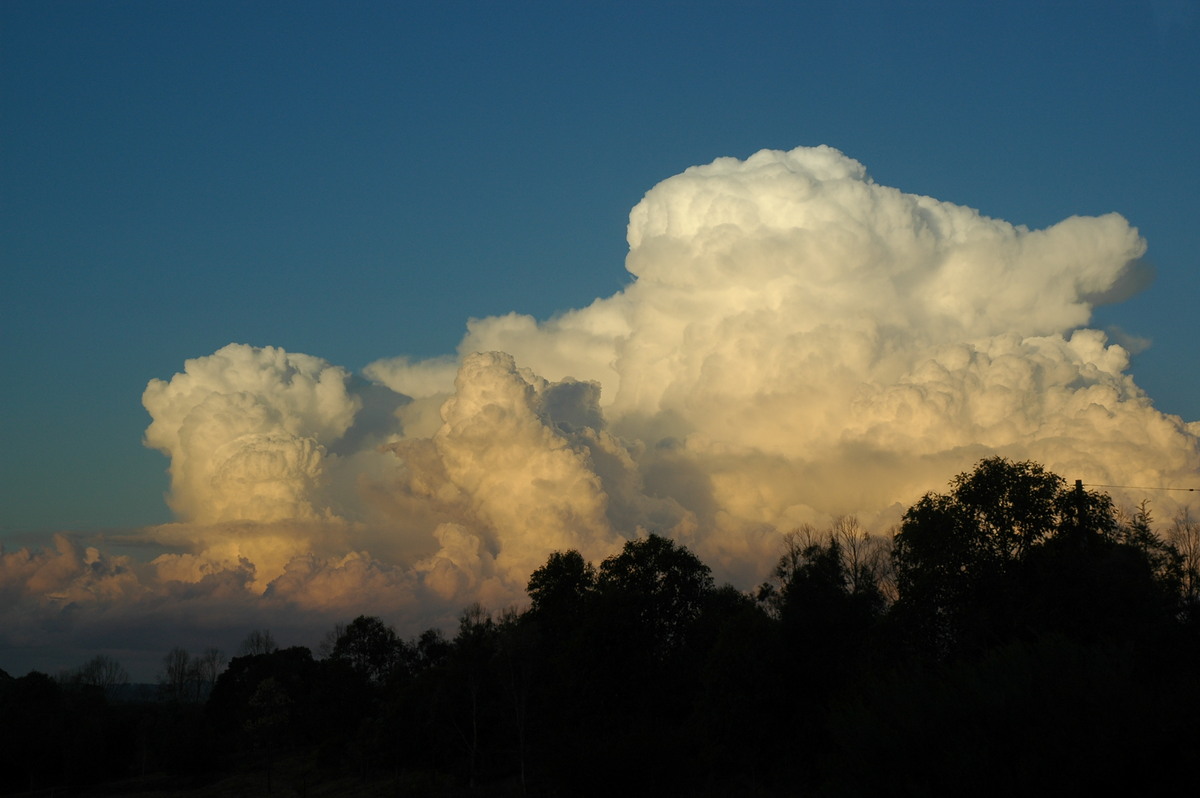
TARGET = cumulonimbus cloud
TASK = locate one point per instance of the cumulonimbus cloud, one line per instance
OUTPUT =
(797, 343)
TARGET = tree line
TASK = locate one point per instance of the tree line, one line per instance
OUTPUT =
(1015, 634)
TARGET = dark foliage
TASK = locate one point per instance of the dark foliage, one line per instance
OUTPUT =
(1033, 641)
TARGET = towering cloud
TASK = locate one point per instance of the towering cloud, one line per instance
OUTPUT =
(246, 430)
(798, 342)
(801, 342)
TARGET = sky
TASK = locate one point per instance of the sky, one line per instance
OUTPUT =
(730, 268)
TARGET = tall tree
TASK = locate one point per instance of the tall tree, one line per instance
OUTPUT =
(258, 641)
(211, 663)
(1184, 535)
(562, 585)
(1012, 550)
(371, 648)
(100, 671)
(176, 674)
(658, 588)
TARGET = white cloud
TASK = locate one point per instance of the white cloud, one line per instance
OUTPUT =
(246, 430)
(799, 342)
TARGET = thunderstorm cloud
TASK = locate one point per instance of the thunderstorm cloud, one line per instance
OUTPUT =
(796, 343)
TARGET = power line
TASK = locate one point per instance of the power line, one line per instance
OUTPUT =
(1136, 487)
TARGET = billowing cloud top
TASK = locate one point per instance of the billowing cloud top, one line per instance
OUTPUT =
(798, 342)
(246, 431)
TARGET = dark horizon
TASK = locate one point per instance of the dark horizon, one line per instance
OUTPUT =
(1018, 634)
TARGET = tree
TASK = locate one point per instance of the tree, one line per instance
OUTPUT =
(205, 669)
(823, 587)
(1184, 535)
(100, 671)
(1012, 551)
(844, 563)
(516, 662)
(214, 661)
(658, 588)
(826, 596)
(612, 661)
(326, 701)
(990, 518)
(33, 733)
(269, 714)
(176, 674)
(864, 557)
(430, 650)
(562, 585)
(259, 641)
(952, 548)
(371, 648)
(472, 670)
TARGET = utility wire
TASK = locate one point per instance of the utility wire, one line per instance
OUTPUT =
(1136, 487)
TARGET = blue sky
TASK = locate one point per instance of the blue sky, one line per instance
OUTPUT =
(356, 180)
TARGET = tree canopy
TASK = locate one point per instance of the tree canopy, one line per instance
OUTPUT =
(1011, 548)
(1017, 634)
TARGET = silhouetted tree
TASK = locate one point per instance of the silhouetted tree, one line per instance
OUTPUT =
(990, 517)
(268, 716)
(561, 587)
(209, 666)
(741, 726)
(844, 565)
(371, 648)
(621, 667)
(1012, 551)
(327, 703)
(176, 675)
(1120, 588)
(516, 664)
(657, 588)
(1184, 536)
(31, 732)
(258, 641)
(471, 671)
(953, 550)
(102, 672)
(430, 650)
(826, 593)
